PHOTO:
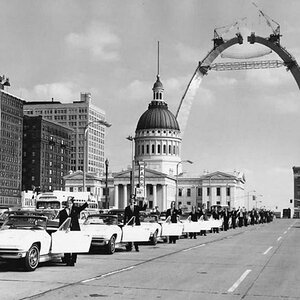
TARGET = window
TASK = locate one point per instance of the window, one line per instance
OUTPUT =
(180, 192)
(153, 149)
(188, 192)
(218, 191)
(158, 149)
(151, 190)
(188, 202)
(208, 191)
(71, 189)
(228, 191)
(199, 192)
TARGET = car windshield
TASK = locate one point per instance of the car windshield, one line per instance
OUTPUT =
(101, 220)
(149, 219)
(24, 222)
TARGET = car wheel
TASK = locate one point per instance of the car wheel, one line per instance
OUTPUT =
(111, 246)
(32, 258)
(154, 238)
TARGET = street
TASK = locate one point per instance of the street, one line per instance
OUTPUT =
(255, 262)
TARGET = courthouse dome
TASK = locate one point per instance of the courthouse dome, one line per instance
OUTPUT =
(157, 116)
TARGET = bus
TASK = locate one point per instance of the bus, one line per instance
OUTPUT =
(56, 201)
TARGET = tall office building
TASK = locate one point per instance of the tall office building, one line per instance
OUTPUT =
(11, 129)
(296, 173)
(46, 154)
(76, 115)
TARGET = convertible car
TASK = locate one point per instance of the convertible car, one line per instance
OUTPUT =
(24, 237)
(151, 221)
(107, 233)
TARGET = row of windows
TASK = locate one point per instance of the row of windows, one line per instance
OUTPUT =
(11, 101)
(11, 119)
(9, 167)
(8, 200)
(141, 149)
(199, 192)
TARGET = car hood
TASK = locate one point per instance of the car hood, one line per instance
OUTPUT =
(100, 229)
(15, 237)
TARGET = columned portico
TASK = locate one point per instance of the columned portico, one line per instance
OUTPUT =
(154, 196)
(125, 195)
(116, 195)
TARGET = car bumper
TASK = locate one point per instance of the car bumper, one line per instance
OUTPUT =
(12, 253)
(99, 241)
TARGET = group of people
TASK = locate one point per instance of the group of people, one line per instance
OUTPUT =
(231, 218)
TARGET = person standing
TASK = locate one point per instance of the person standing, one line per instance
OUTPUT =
(193, 217)
(71, 211)
(233, 218)
(226, 216)
(203, 217)
(132, 216)
(215, 216)
(172, 216)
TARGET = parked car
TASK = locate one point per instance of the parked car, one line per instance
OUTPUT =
(118, 212)
(151, 221)
(107, 232)
(23, 237)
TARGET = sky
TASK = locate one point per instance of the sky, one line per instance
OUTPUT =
(239, 120)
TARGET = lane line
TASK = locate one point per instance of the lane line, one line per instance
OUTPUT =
(239, 281)
(107, 274)
(267, 250)
(285, 232)
(279, 239)
(194, 247)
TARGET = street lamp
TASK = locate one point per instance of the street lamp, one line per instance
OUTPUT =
(131, 138)
(102, 122)
(106, 184)
(176, 193)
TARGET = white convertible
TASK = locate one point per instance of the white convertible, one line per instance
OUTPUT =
(25, 238)
(107, 233)
(151, 221)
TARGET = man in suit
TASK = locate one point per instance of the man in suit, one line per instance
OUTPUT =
(172, 216)
(71, 211)
(133, 210)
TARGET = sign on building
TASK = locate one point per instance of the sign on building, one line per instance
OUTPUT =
(140, 191)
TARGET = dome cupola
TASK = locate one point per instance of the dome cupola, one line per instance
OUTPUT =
(158, 115)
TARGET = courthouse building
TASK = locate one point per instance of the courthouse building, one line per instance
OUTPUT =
(158, 168)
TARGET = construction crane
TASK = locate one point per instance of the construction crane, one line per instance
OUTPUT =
(220, 31)
(275, 27)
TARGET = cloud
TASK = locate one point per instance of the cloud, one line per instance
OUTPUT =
(287, 104)
(60, 91)
(98, 40)
(136, 90)
(267, 77)
(188, 54)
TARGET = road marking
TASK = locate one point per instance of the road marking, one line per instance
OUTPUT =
(279, 239)
(107, 274)
(285, 232)
(239, 281)
(267, 250)
(194, 247)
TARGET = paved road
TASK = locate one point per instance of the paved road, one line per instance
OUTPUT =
(256, 262)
